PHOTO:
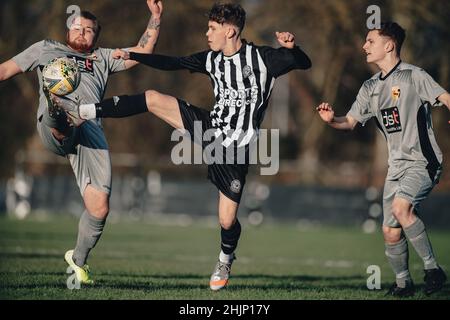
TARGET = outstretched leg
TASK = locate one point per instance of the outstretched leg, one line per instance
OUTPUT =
(163, 106)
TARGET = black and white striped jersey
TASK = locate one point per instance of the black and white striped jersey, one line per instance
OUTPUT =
(242, 84)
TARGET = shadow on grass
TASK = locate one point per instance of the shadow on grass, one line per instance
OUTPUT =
(293, 285)
(185, 281)
(30, 255)
(152, 282)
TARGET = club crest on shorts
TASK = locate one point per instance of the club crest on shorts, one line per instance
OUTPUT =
(247, 72)
(235, 186)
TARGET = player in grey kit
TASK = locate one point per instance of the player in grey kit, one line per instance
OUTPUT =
(400, 98)
(84, 143)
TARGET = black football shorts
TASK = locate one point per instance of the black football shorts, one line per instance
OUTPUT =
(229, 178)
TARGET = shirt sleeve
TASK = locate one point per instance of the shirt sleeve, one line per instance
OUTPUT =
(114, 65)
(193, 63)
(426, 87)
(28, 60)
(361, 110)
(282, 60)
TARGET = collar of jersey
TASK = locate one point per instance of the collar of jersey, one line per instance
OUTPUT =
(390, 72)
(244, 43)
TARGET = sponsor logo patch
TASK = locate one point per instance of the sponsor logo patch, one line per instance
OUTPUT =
(391, 119)
(85, 65)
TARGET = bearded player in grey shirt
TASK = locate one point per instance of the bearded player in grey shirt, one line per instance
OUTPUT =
(83, 143)
(400, 98)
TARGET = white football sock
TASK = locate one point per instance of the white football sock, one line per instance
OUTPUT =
(225, 258)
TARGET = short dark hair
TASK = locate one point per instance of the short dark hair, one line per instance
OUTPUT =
(394, 31)
(228, 13)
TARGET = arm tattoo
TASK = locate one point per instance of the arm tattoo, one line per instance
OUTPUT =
(153, 24)
(144, 40)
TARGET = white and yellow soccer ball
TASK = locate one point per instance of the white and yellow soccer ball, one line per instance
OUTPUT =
(61, 76)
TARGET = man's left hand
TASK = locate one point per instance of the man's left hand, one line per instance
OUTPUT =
(286, 39)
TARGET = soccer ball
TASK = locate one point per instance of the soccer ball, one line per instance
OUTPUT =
(61, 76)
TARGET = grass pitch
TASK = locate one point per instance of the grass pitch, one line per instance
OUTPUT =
(137, 260)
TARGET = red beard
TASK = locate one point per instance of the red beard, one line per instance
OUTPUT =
(80, 46)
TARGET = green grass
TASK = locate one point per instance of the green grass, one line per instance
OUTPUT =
(146, 261)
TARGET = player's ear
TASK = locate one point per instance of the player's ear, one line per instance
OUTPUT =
(389, 46)
(231, 32)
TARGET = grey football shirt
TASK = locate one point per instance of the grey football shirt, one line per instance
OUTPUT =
(401, 104)
(95, 68)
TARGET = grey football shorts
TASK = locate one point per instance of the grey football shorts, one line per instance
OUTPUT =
(87, 151)
(414, 185)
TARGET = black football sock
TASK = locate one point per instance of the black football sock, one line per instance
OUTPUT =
(116, 107)
(230, 238)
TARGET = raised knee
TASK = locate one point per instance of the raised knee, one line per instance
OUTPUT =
(151, 97)
(58, 134)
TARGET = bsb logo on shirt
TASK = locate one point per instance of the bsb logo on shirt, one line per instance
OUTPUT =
(391, 119)
(85, 65)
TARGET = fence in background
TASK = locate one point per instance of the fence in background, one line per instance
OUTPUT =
(153, 197)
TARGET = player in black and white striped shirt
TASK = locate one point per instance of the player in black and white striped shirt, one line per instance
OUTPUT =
(242, 76)
(242, 81)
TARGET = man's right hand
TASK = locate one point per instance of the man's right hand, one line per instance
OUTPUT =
(326, 112)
